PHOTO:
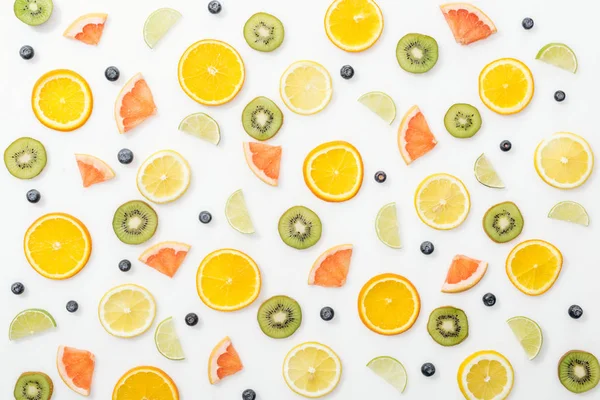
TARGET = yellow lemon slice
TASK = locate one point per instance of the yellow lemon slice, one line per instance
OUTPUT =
(305, 87)
(142, 383)
(533, 266)
(127, 310)
(164, 176)
(485, 375)
(442, 201)
(506, 86)
(312, 369)
(353, 25)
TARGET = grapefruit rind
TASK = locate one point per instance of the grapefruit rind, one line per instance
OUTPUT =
(312, 278)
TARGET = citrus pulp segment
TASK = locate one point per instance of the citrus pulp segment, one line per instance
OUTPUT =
(93, 170)
(165, 257)
(467, 22)
(414, 136)
(134, 104)
(264, 161)
(463, 274)
(224, 361)
(87, 29)
(76, 368)
(331, 268)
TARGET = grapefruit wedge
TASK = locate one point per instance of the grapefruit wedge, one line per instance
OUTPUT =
(76, 368)
(264, 161)
(93, 170)
(165, 257)
(414, 136)
(467, 22)
(87, 29)
(134, 104)
(224, 361)
(463, 274)
(331, 268)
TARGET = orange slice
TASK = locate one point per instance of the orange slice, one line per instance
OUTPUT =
(331, 268)
(414, 136)
(93, 170)
(506, 86)
(87, 28)
(76, 368)
(165, 257)
(224, 361)
(264, 161)
(353, 25)
(134, 104)
(533, 266)
(467, 22)
(463, 274)
(145, 383)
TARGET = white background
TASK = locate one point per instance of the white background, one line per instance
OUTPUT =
(219, 171)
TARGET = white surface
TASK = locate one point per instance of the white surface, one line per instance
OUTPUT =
(218, 171)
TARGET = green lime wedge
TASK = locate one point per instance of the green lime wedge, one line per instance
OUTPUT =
(381, 104)
(486, 174)
(391, 370)
(237, 213)
(386, 225)
(570, 211)
(559, 55)
(166, 340)
(158, 24)
(30, 322)
(528, 333)
(202, 126)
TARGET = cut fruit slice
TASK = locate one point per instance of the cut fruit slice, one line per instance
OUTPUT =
(570, 211)
(203, 126)
(93, 170)
(414, 136)
(140, 382)
(87, 28)
(391, 370)
(165, 257)
(33, 385)
(264, 161)
(506, 86)
(463, 274)
(158, 24)
(223, 362)
(467, 22)
(559, 55)
(312, 369)
(25, 158)
(76, 368)
(353, 25)
(485, 375)
(442, 201)
(381, 104)
(305, 87)
(33, 13)
(331, 268)
(386, 226)
(533, 266)
(166, 340)
(127, 310)
(30, 322)
(529, 334)
(164, 177)
(564, 160)
(578, 371)
(237, 213)
(486, 174)
(134, 104)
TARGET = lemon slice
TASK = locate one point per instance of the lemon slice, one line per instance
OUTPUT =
(486, 174)
(158, 24)
(127, 310)
(237, 213)
(533, 266)
(529, 334)
(559, 55)
(391, 370)
(570, 211)
(203, 126)
(485, 375)
(164, 176)
(381, 104)
(506, 86)
(442, 201)
(312, 369)
(166, 340)
(305, 87)
(386, 226)
(30, 322)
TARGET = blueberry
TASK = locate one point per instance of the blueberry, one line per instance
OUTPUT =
(17, 288)
(527, 23)
(505, 145)
(489, 299)
(427, 248)
(347, 72)
(327, 313)
(559, 96)
(205, 217)
(575, 311)
(380, 176)
(33, 196)
(191, 319)
(428, 369)
(214, 7)
(72, 306)
(112, 74)
(125, 156)
(248, 394)
(124, 265)
(26, 52)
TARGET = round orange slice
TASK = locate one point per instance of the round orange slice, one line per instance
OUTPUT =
(353, 25)
(506, 86)
(134, 104)
(264, 161)
(467, 22)
(331, 268)
(93, 170)
(87, 29)
(165, 257)
(224, 361)
(145, 383)
(414, 136)
(76, 368)
(533, 266)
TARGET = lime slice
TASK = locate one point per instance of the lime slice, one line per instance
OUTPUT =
(529, 334)
(202, 126)
(571, 212)
(30, 322)
(381, 104)
(237, 213)
(158, 24)
(486, 174)
(386, 225)
(559, 55)
(167, 341)
(391, 370)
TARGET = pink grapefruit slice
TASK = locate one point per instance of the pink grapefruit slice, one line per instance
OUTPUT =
(134, 104)
(264, 161)
(76, 368)
(467, 22)
(463, 274)
(87, 28)
(223, 362)
(414, 136)
(331, 268)
(93, 170)
(165, 257)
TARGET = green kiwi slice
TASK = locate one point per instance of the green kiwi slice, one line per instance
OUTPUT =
(264, 32)
(25, 158)
(262, 118)
(300, 227)
(503, 222)
(33, 386)
(135, 222)
(279, 317)
(579, 371)
(448, 325)
(33, 12)
(462, 120)
(417, 53)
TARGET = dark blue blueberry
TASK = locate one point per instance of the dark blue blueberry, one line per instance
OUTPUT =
(489, 299)
(191, 319)
(33, 196)
(205, 217)
(124, 265)
(112, 74)
(527, 23)
(17, 288)
(380, 176)
(428, 369)
(26, 52)
(72, 306)
(505, 145)
(559, 96)
(427, 248)
(347, 72)
(575, 311)
(214, 7)
(248, 394)
(125, 156)
(327, 313)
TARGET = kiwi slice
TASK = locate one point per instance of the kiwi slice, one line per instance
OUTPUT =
(135, 222)
(33, 12)
(462, 120)
(264, 32)
(25, 158)
(300, 227)
(262, 118)
(503, 222)
(417, 53)
(33, 386)
(578, 371)
(448, 325)
(279, 317)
